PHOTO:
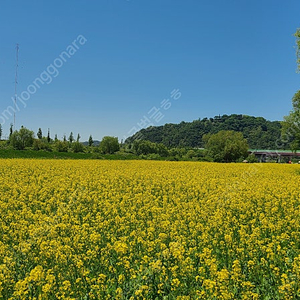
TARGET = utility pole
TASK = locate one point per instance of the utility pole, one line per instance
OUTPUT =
(16, 83)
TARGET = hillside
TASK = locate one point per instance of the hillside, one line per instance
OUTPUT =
(259, 132)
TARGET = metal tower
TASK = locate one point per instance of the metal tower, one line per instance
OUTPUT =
(16, 83)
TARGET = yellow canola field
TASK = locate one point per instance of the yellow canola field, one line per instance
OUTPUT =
(73, 229)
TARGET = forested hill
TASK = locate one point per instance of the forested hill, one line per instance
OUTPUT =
(260, 133)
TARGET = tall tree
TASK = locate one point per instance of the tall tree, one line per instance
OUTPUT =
(39, 134)
(91, 142)
(11, 130)
(55, 138)
(78, 138)
(48, 136)
(0, 131)
(71, 137)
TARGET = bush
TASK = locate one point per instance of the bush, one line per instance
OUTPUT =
(143, 147)
(151, 156)
(77, 147)
(61, 146)
(191, 154)
(3, 144)
(251, 158)
(177, 152)
(41, 144)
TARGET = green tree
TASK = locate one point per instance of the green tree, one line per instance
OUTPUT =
(109, 145)
(55, 138)
(48, 136)
(39, 134)
(226, 146)
(142, 147)
(78, 137)
(22, 138)
(162, 150)
(71, 138)
(294, 145)
(0, 131)
(11, 130)
(297, 35)
(91, 142)
(291, 124)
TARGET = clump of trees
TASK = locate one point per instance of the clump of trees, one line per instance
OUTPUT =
(20, 139)
(109, 145)
(226, 146)
(142, 147)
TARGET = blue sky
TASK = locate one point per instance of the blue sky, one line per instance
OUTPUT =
(224, 57)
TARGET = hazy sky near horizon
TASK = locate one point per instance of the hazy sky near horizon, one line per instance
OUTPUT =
(100, 67)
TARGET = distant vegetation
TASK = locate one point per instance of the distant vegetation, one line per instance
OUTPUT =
(221, 139)
(259, 133)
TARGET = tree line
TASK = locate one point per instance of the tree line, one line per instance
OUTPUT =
(25, 139)
(216, 145)
(235, 146)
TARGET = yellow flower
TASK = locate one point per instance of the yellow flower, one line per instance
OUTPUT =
(72, 229)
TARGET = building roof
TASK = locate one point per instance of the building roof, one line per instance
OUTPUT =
(274, 152)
